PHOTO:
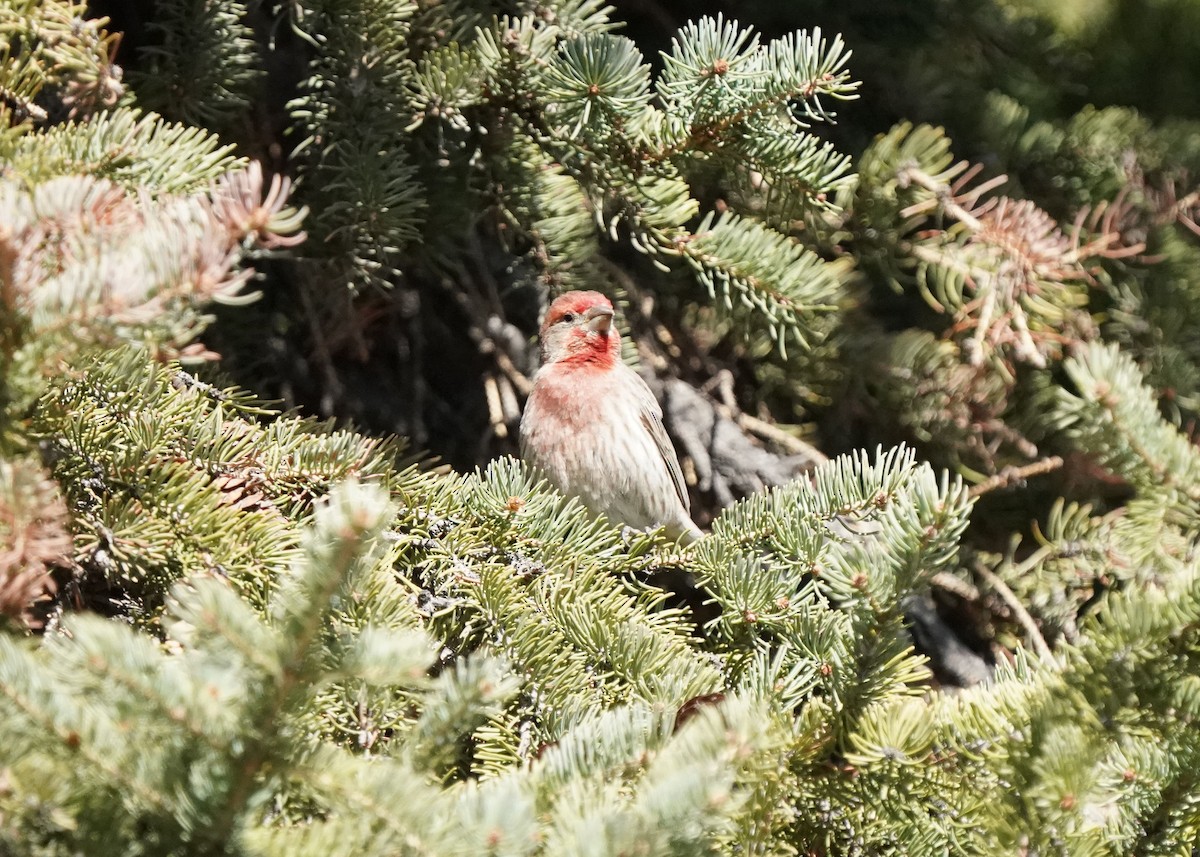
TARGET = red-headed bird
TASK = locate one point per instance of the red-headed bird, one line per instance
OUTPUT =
(594, 428)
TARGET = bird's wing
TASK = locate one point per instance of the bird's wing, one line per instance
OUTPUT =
(652, 420)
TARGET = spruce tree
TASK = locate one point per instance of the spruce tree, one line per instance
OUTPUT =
(937, 416)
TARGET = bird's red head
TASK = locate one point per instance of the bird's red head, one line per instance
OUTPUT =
(578, 330)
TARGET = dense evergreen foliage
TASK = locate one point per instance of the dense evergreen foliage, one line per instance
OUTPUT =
(936, 411)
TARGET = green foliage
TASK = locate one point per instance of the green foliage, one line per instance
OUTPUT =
(740, 261)
(1122, 588)
(512, 575)
(1115, 68)
(1114, 415)
(211, 711)
(201, 66)
(290, 641)
(1154, 309)
(163, 489)
(135, 268)
(352, 113)
(51, 45)
(591, 640)
(564, 670)
(560, 125)
(133, 149)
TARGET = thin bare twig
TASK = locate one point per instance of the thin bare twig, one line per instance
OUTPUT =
(776, 435)
(1024, 619)
(1015, 475)
(519, 380)
(947, 582)
(495, 408)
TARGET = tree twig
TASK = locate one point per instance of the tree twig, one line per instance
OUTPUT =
(947, 582)
(1012, 475)
(1026, 621)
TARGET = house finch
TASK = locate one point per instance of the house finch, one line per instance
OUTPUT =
(593, 426)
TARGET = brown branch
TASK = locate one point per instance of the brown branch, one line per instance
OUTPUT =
(947, 582)
(1013, 475)
(944, 193)
(1024, 619)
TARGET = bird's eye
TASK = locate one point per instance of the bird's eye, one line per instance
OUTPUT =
(569, 317)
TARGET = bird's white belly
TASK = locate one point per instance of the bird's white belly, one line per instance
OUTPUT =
(616, 472)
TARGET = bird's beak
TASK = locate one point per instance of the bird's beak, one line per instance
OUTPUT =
(599, 319)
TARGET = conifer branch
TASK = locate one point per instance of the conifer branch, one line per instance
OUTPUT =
(1114, 416)
(355, 174)
(1018, 609)
(33, 538)
(136, 150)
(201, 66)
(1012, 258)
(52, 44)
(318, 649)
